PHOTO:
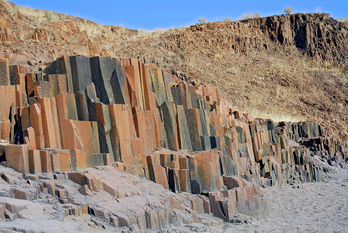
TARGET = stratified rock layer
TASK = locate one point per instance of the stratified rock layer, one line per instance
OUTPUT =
(80, 112)
(106, 197)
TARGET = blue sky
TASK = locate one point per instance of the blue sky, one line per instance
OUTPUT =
(153, 14)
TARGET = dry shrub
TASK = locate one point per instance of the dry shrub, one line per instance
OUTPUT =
(202, 20)
(343, 19)
(249, 16)
(288, 10)
(318, 9)
(151, 33)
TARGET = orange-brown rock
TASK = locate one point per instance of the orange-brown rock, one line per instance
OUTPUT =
(181, 136)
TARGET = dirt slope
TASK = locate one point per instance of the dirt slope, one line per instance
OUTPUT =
(286, 67)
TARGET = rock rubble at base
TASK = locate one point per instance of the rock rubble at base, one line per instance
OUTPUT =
(112, 199)
(80, 112)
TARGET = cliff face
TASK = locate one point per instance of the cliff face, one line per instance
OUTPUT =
(316, 35)
(81, 112)
(286, 67)
(62, 114)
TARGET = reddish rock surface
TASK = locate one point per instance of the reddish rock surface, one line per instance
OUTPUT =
(284, 67)
(59, 119)
(151, 124)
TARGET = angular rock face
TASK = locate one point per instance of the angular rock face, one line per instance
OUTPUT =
(272, 47)
(81, 112)
(315, 34)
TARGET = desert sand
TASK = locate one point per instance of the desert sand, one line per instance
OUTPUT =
(307, 207)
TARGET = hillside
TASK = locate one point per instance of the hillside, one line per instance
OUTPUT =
(109, 128)
(278, 67)
(286, 67)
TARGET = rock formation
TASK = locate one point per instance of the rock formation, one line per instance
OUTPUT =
(138, 144)
(283, 67)
(79, 112)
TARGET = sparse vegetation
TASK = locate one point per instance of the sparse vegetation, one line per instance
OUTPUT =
(343, 19)
(318, 9)
(249, 16)
(202, 20)
(227, 20)
(49, 15)
(288, 10)
(329, 27)
(154, 33)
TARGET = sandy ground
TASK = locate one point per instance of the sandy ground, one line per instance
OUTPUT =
(307, 207)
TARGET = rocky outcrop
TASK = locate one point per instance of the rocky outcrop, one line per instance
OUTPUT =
(105, 197)
(5, 32)
(289, 67)
(317, 35)
(60, 119)
(81, 112)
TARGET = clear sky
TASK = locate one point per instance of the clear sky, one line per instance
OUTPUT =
(153, 14)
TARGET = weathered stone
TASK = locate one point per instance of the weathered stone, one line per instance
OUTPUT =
(98, 111)
(17, 157)
(102, 69)
(4, 73)
(46, 165)
(81, 73)
(184, 134)
(34, 161)
(193, 127)
(119, 85)
(170, 126)
(158, 86)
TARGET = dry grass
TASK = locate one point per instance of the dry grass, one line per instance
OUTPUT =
(151, 33)
(249, 16)
(36, 16)
(288, 10)
(148, 34)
